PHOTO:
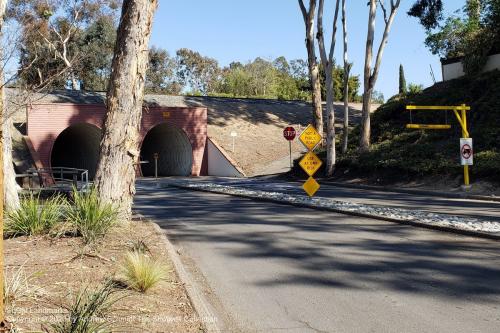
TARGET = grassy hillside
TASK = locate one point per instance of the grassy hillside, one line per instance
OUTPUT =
(399, 154)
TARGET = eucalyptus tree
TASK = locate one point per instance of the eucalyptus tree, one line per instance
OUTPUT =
(308, 15)
(371, 69)
(328, 63)
(119, 148)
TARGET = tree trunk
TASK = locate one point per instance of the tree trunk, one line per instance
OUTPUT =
(3, 5)
(119, 151)
(330, 109)
(347, 70)
(345, 133)
(364, 138)
(316, 98)
(11, 195)
(313, 65)
(365, 121)
(327, 61)
(370, 76)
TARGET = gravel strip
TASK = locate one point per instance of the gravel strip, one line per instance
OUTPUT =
(440, 220)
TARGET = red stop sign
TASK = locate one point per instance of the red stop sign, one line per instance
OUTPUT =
(289, 133)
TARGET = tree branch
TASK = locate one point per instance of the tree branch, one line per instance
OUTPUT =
(381, 2)
(334, 29)
(320, 35)
(303, 10)
(383, 43)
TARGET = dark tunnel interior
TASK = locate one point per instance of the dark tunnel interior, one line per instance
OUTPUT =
(77, 147)
(175, 154)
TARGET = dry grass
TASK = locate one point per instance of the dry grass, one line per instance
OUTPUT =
(60, 267)
(19, 286)
(141, 272)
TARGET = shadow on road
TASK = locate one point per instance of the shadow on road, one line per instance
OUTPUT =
(326, 249)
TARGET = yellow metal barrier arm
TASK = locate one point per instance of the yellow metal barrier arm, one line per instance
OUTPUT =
(462, 120)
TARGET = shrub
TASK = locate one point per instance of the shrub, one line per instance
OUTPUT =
(18, 286)
(140, 272)
(90, 217)
(35, 217)
(87, 312)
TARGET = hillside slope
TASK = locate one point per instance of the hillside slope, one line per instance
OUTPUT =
(399, 154)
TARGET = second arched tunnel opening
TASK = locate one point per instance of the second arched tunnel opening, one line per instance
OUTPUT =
(175, 153)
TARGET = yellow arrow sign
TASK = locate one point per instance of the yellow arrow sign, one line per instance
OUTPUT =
(310, 163)
(311, 186)
(310, 137)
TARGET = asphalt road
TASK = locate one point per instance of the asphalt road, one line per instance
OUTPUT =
(277, 268)
(489, 210)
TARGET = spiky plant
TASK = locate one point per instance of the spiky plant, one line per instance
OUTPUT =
(140, 272)
(88, 310)
(91, 218)
(35, 217)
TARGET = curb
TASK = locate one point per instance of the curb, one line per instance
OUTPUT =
(470, 233)
(195, 296)
(414, 191)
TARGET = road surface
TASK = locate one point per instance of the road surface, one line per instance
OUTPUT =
(277, 268)
(455, 206)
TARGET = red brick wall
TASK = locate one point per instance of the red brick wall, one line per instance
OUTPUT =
(47, 121)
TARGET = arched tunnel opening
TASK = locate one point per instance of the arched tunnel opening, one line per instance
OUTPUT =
(175, 154)
(77, 147)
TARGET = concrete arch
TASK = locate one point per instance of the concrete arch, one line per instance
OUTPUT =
(175, 153)
(77, 147)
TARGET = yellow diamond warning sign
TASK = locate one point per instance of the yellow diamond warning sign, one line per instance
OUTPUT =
(310, 137)
(310, 163)
(311, 186)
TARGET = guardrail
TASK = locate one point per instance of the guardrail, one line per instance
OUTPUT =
(57, 178)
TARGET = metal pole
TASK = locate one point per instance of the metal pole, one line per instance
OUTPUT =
(464, 134)
(290, 145)
(156, 166)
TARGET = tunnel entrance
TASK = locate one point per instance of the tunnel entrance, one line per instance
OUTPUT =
(175, 154)
(77, 147)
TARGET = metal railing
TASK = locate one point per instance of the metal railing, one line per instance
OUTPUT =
(57, 178)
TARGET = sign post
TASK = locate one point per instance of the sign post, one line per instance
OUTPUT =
(310, 163)
(466, 157)
(289, 134)
(234, 135)
(155, 156)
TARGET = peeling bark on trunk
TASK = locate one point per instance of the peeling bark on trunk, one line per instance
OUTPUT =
(313, 65)
(347, 72)
(3, 5)
(364, 138)
(370, 77)
(11, 195)
(328, 62)
(119, 151)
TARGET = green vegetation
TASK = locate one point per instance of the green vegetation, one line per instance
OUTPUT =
(87, 313)
(91, 218)
(140, 272)
(34, 216)
(471, 34)
(402, 80)
(18, 286)
(399, 154)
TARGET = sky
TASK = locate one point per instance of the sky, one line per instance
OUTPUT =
(241, 30)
